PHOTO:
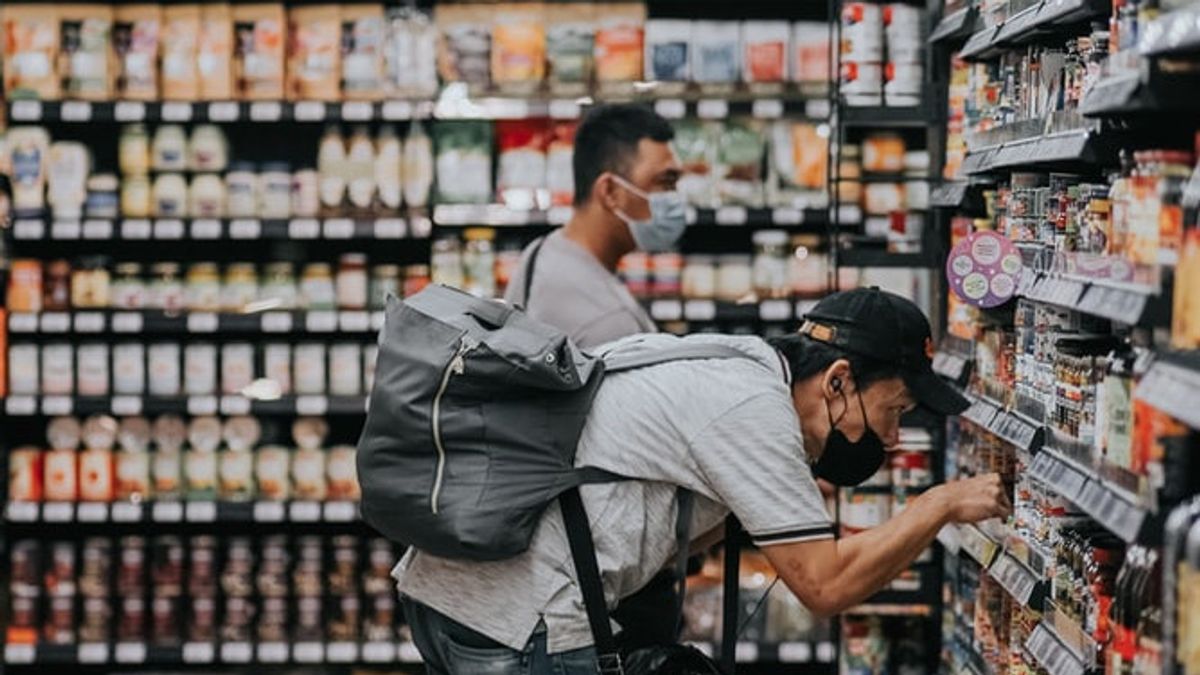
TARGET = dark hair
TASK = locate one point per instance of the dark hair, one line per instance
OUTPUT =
(807, 357)
(607, 140)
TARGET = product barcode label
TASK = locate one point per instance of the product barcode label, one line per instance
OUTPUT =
(311, 405)
(817, 109)
(202, 405)
(56, 405)
(339, 228)
(699, 310)
(666, 310)
(131, 652)
(767, 108)
(56, 322)
(93, 652)
(1051, 653)
(202, 322)
(76, 111)
(129, 111)
(712, 109)
(321, 322)
(269, 512)
(21, 512)
(354, 322)
(564, 109)
(127, 322)
(309, 111)
(18, 653)
(357, 111)
(245, 228)
(127, 405)
(277, 322)
(23, 322)
(389, 228)
(58, 512)
(223, 111)
(89, 322)
(197, 652)
(235, 405)
(168, 229)
(304, 228)
(89, 512)
(308, 652)
(775, 310)
(786, 215)
(135, 229)
(396, 110)
(206, 229)
(176, 112)
(1014, 578)
(28, 228)
(670, 108)
(65, 230)
(1113, 512)
(125, 512)
(236, 652)
(19, 406)
(340, 512)
(379, 652)
(265, 111)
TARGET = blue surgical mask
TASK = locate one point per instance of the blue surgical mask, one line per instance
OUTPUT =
(668, 219)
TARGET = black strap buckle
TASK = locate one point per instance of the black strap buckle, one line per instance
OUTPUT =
(610, 664)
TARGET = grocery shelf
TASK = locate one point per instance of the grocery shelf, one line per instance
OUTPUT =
(955, 26)
(1174, 33)
(159, 322)
(1008, 425)
(670, 309)
(1110, 505)
(1071, 148)
(27, 406)
(889, 116)
(163, 512)
(871, 257)
(499, 215)
(213, 229)
(1031, 24)
(1171, 384)
(1144, 90)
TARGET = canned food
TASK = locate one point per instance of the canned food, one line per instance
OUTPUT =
(903, 25)
(862, 83)
(862, 32)
(902, 86)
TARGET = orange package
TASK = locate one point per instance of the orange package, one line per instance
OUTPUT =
(519, 45)
(31, 41)
(314, 53)
(181, 28)
(620, 32)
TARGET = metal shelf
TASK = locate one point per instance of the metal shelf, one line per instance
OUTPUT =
(53, 406)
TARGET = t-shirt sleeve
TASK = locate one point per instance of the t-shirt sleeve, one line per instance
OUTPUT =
(612, 326)
(752, 458)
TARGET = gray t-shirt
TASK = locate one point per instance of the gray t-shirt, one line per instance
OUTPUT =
(574, 293)
(724, 428)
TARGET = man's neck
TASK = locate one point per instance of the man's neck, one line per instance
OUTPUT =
(594, 239)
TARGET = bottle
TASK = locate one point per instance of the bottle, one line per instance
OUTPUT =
(330, 158)
(169, 151)
(418, 166)
(389, 158)
(133, 150)
(359, 169)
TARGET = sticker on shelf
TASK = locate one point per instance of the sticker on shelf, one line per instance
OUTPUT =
(127, 322)
(699, 310)
(354, 322)
(276, 322)
(202, 322)
(91, 512)
(176, 111)
(795, 652)
(129, 111)
(58, 512)
(198, 652)
(1014, 578)
(339, 228)
(201, 512)
(1112, 511)
(564, 109)
(55, 322)
(206, 229)
(304, 512)
(21, 512)
(309, 111)
(1052, 654)
(826, 652)
(57, 405)
(65, 230)
(272, 652)
(20, 406)
(389, 228)
(340, 512)
(126, 512)
(341, 652)
(357, 111)
(75, 111)
(23, 322)
(92, 652)
(321, 322)
(168, 229)
(767, 108)
(670, 108)
(712, 109)
(266, 111)
(786, 215)
(131, 652)
(731, 215)
(308, 652)
(136, 229)
(126, 405)
(202, 405)
(19, 653)
(304, 228)
(89, 322)
(167, 512)
(245, 228)
(28, 228)
(223, 111)
(26, 111)
(269, 512)
(235, 405)
(236, 652)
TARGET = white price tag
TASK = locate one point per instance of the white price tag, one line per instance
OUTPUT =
(731, 215)
(1014, 578)
(127, 322)
(795, 652)
(126, 512)
(23, 322)
(277, 322)
(817, 109)
(340, 512)
(273, 652)
(222, 111)
(20, 406)
(65, 230)
(168, 229)
(767, 108)
(56, 322)
(304, 228)
(320, 322)
(357, 111)
(712, 109)
(58, 512)
(389, 228)
(311, 405)
(197, 652)
(167, 512)
(202, 405)
(19, 653)
(377, 321)
(135, 229)
(92, 512)
(849, 214)
(666, 310)
(89, 322)
(379, 652)
(235, 405)
(308, 652)
(304, 512)
(129, 111)
(245, 228)
(564, 109)
(775, 310)
(202, 322)
(26, 111)
(354, 322)
(339, 228)
(76, 111)
(309, 111)
(28, 228)
(265, 111)
(826, 652)
(396, 110)
(131, 652)
(269, 512)
(206, 229)
(176, 111)
(126, 405)
(700, 310)
(670, 108)
(408, 653)
(420, 227)
(21, 512)
(201, 512)
(57, 405)
(341, 652)
(93, 652)
(236, 652)
(787, 216)
(746, 652)
(1052, 654)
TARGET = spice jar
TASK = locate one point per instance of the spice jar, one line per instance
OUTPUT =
(128, 289)
(275, 190)
(279, 285)
(166, 289)
(771, 264)
(208, 197)
(241, 192)
(240, 287)
(351, 282)
(203, 292)
(317, 287)
(56, 287)
(385, 281)
(133, 151)
(90, 284)
(170, 196)
(735, 278)
(135, 197)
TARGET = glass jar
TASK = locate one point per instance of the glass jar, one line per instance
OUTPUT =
(479, 262)
(275, 190)
(241, 192)
(807, 273)
(90, 284)
(203, 290)
(279, 285)
(446, 260)
(240, 287)
(735, 277)
(306, 196)
(169, 151)
(170, 196)
(351, 281)
(700, 277)
(416, 278)
(385, 281)
(135, 197)
(166, 290)
(208, 150)
(771, 264)
(316, 287)
(208, 196)
(128, 289)
(133, 151)
(56, 287)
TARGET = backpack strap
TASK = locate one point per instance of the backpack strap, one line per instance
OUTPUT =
(530, 264)
(686, 352)
(729, 596)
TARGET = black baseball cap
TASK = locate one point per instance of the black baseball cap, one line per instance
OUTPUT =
(885, 327)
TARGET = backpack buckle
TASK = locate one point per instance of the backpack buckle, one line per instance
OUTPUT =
(610, 664)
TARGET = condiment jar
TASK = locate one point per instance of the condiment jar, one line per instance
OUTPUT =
(208, 150)
(385, 280)
(207, 196)
(135, 197)
(241, 193)
(166, 290)
(169, 150)
(275, 190)
(128, 289)
(90, 284)
(279, 285)
(240, 287)
(133, 151)
(170, 196)
(351, 282)
(203, 291)
(699, 278)
(735, 278)
(316, 287)
(56, 286)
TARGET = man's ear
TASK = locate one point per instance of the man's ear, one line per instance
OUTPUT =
(836, 381)
(605, 191)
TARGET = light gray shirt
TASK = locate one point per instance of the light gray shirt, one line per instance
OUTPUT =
(574, 293)
(724, 428)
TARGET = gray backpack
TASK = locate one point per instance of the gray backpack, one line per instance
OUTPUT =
(474, 419)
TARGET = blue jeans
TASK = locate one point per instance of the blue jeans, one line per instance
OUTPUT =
(450, 648)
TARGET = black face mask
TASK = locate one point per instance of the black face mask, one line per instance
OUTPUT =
(847, 463)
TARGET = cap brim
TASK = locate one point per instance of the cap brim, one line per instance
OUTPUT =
(934, 393)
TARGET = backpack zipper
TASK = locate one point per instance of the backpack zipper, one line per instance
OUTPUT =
(456, 366)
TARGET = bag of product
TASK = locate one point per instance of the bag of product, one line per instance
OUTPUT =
(695, 145)
(411, 53)
(85, 55)
(314, 53)
(261, 34)
(364, 37)
(716, 52)
(667, 42)
(30, 51)
(464, 44)
(813, 56)
(215, 57)
(521, 164)
(619, 42)
(136, 33)
(765, 57)
(797, 168)
(560, 177)
(463, 156)
(570, 38)
(739, 163)
(518, 47)
(181, 30)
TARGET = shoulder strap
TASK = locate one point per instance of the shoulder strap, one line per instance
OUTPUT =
(729, 597)
(530, 264)
(686, 352)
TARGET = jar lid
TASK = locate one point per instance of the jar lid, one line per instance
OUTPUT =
(770, 238)
(100, 432)
(64, 433)
(479, 234)
(280, 268)
(320, 269)
(134, 434)
(129, 269)
(165, 268)
(204, 433)
(169, 432)
(103, 182)
(386, 271)
(201, 267)
(416, 271)
(241, 269)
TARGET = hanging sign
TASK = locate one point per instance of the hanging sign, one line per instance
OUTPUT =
(984, 269)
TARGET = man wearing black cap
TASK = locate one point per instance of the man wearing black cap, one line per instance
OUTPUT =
(745, 435)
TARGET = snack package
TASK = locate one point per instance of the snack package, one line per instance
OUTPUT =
(364, 39)
(695, 145)
(765, 51)
(314, 53)
(85, 55)
(463, 151)
(521, 165)
(136, 34)
(716, 52)
(411, 53)
(739, 164)
(31, 41)
(181, 31)
(570, 38)
(464, 44)
(799, 156)
(215, 52)
(811, 47)
(667, 42)
(619, 40)
(518, 46)
(559, 172)
(261, 34)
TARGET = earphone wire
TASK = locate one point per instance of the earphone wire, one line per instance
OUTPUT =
(757, 606)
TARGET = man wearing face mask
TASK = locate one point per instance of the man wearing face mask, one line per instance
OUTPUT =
(625, 200)
(746, 436)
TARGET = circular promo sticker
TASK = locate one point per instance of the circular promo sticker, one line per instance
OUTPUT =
(983, 269)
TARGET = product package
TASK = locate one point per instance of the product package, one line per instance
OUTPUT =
(464, 156)
(797, 172)
(619, 42)
(364, 38)
(136, 33)
(1185, 314)
(418, 166)
(314, 53)
(30, 50)
(518, 47)
(84, 57)
(28, 149)
(261, 34)
(667, 43)
(464, 44)
(695, 144)
(180, 44)
(716, 53)
(765, 47)
(521, 165)
(215, 52)
(570, 38)
(559, 177)
(411, 53)
(739, 164)
(812, 65)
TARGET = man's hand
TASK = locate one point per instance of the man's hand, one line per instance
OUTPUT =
(973, 499)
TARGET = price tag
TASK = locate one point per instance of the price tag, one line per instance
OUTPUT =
(308, 652)
(56, 405)
(320, 322)
(389, 228)
(731, 215)
(309, 111)
(131, 652)
(222, 111)
(396, 110)
(126, 512)
(176, 111)
(420, 227)
(564, 109)
(354, 322)
(1067, 481)
(235, 405)
(76, 111)
(311, 405)
(825, 652)
(65, 230)
(28, 228)
(357, 111)
(168, 229)
(19, 653)
(377, 321)
(245, 228)
(712, 109)
(20, 406)
(127, 322)
(379, 652)
(202, 405)
(201, 512)
(202, 322)
(236, 652)
(304, 512)
(23, 322)
(92, 512)
(56, 322)
(746, 652)
(1014, 578)
(277, 322)
(670, 108)
(341, 652)
(1052, 654)
(89, 322)
(197, 652)
(666, 310)
(206, 229)
(339, 228)
(787, 216)
(167, 512)
(129, 111)
(21, 512)
(268, 512)
(795, 652)
(700, 310)
(340, 512)
(273, 652)
(408, 653)
(58, 512)
(817, 109)
(304, 228)
(26, 111)
(265, 111)
(767, 108)
(136, 229)
(93, 652)
(775, 310)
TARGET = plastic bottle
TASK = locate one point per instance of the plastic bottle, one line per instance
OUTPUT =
(418, 166)
(360, 169)
(330, 160)
(389, 157)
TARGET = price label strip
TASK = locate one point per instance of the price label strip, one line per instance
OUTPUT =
(1052, 654)
(1014, 578)
(1115, 513)
(1171, 388)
